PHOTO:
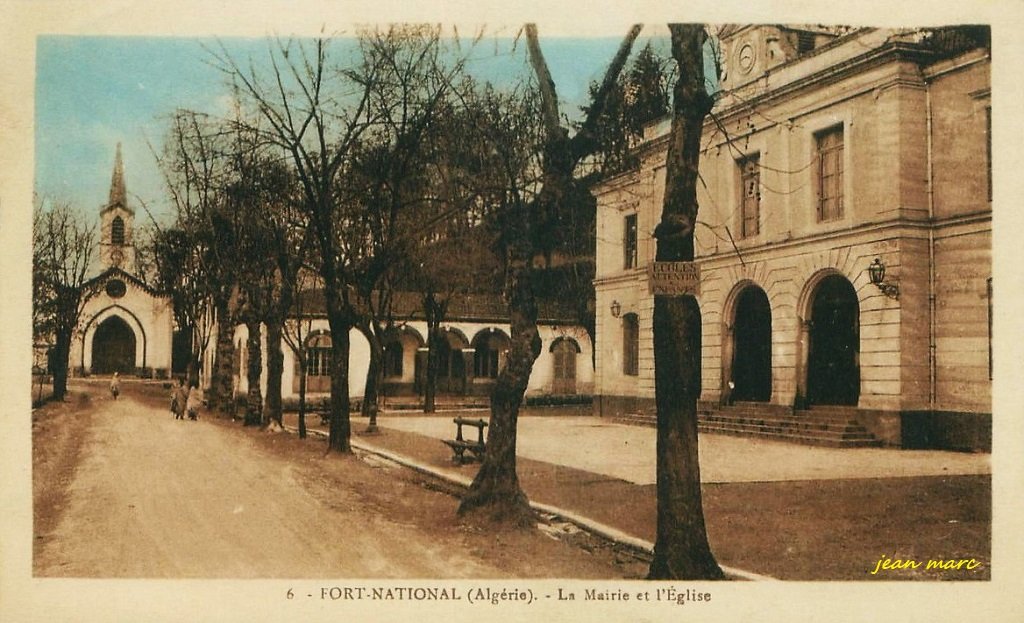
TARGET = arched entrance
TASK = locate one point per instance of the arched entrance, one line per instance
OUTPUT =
(113, 347)
(833, 367)
(451, 363)
(752, 347)
(489, 349)
(564, 351)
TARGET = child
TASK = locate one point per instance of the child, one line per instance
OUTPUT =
(195, 400)
(115, 386)
(179, 397)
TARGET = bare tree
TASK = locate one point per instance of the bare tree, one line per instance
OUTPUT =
(194, 258)
(62, 249)
(395, 176)
(315, 113)
(530, 228)
(681, 550)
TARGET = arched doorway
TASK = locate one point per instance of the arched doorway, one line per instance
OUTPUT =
(833, 367)
(113, 347)
(564, 351)
(451, 363)
(489, 349)
(752, 347)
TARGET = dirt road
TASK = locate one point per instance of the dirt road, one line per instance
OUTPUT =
(155, 497)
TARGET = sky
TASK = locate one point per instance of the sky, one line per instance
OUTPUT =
(93, 92)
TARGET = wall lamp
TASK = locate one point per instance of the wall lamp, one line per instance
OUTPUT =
(876, 272)
(616, 309)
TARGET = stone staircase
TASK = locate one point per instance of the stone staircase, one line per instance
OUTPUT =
(835, 427)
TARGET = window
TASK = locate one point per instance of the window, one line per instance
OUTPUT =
(485, 363)
(629, 242)
(117, 231)
(116, 289)
(830, 174)
(319, 356)
(485, 356)
(750, 200)
(393, 358)
(630, 345)
(318, 363)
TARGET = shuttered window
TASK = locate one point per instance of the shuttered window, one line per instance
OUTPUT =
(629, 242)
(830, 174)
(750, 201)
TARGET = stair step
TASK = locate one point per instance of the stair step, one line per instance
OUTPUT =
(833, 426)
(866, 442)
(778, 430)
(843, 426)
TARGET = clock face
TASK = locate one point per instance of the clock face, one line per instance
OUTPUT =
(745, 57)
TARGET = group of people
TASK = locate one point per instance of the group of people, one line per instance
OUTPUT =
(185, 400)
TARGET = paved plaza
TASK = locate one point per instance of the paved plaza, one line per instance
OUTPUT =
(600, 446)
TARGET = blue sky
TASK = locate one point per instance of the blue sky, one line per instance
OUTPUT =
(93, 92)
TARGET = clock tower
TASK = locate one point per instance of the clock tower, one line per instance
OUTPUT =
(749, 52)
(117, 222)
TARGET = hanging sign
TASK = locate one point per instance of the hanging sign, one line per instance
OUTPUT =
(673, 278)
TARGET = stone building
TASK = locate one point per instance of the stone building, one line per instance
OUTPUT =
(127, 327)
(830, 154)
(476, 332)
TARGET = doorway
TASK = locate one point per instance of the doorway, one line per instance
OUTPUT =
(752, 347)
(833, 366)
(113, 347)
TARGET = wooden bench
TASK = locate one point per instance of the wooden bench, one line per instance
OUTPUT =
(459, 445)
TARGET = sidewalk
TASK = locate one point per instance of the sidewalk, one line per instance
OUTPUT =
(776, 509)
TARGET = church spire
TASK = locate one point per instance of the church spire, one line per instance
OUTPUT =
(117, 192)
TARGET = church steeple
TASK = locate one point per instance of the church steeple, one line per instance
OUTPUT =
(117, 192)
(117, 222)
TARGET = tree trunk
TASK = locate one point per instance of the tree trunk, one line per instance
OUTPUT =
(254, 402)
(681, 549)
(275, 371)
(430, 380)
(433, 312)
(302, 393)
(221, 386)
(495, 489)
(375, 375)
(61, 364)
(194, 367)
(340, 322)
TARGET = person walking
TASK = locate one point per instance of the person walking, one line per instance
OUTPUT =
(179, 400)
(115, 386)
(195, 400)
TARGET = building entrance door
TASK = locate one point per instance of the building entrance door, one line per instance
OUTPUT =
(752, 350)
(113, 347)
(833, 367)
(451, 368)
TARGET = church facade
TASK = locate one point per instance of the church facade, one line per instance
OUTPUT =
(126, 327)
(844, 239)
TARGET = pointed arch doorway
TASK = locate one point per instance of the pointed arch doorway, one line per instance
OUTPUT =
(752, 347)
(833, 359)
(113, 347)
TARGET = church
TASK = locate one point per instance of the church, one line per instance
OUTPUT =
(126, 326)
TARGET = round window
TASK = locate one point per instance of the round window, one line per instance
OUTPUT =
(116, 289)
